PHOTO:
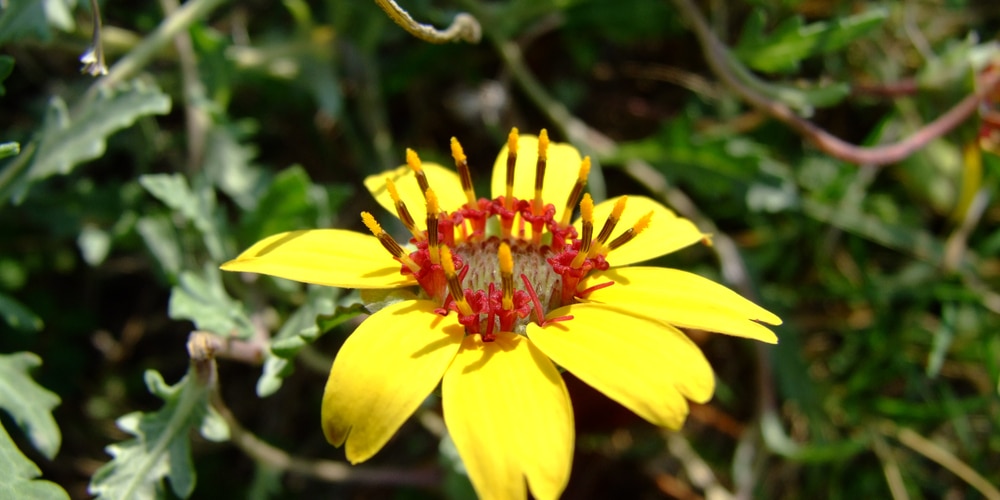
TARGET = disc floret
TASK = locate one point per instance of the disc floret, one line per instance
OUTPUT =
(532, 265)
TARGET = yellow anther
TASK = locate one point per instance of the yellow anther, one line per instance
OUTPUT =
(432, 226)
(584, 170)
(511, 162)
(506, 259)
(609, 225)
(619, 208)
(454, 285)
(388, 242)
(432, 203)
(587, 208)
(543, 151)
(393, 192)
(642, 223)
(456, 151)
(401, 211)
(630, 233)
(447, 263)
(463, 173)
(506, 275)
(574, 195)
(587, 233)
(413, 160)
(371, 223)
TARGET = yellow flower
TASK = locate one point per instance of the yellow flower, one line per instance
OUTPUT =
(508, 289)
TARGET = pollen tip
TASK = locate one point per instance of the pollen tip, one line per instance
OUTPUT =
(391, 187)
(512, 141)
(587, 207)
(446, 261)
(371, 223)
(584, 169)
(619, 207)
(413, 160)
(432, 202)
(643, 222)
(456, 151)
(506, 259)
(543, 144)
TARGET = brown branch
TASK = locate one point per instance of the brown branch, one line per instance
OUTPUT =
(324, 470)
(720, 61)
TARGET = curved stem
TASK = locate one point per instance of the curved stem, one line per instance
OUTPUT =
(324, 470)
(730, 72)
(463, 28)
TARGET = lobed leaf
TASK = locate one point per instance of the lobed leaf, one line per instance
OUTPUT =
(29, 404)
(18, 475)
(196, 205)
(202, 299)
(161, 448)
(67, 140)
(792, 41)
(18, 316)
(300, 329)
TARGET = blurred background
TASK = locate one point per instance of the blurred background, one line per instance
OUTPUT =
(221, 122)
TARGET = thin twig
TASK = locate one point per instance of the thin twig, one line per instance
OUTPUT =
(698, 471)
(931, 450)
(324, 470)
(726, 68)
(198, 121)
(463, 28)
(138, 57)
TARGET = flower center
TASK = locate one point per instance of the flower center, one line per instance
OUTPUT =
(500, 264)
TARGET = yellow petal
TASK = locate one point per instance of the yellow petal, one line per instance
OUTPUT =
(509, 414)
(647, 366)
(666, 232)
(562, 168)
(332, 257)
(385, 369)
(445, 183)
(683, 299)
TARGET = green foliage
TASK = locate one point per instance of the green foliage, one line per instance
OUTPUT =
(783, 49)
(886, 277)
(314, 318)
(29, 404)
(32, 18)
(17, 316)
(161, 448)
(196, 205)
(201, 298)
(18, 475)
(65, 141)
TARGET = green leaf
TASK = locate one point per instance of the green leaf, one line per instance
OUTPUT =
(29, 404)
(787, 45)
(23, 19)
(287, 204)
(202, 299)
(300, 329)
(94, 243)
(161, 448)
(66, 141)
(9, 149)
(228, 164)
(18, 475)
(196, 205)
(160, 236)
(17, 316)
